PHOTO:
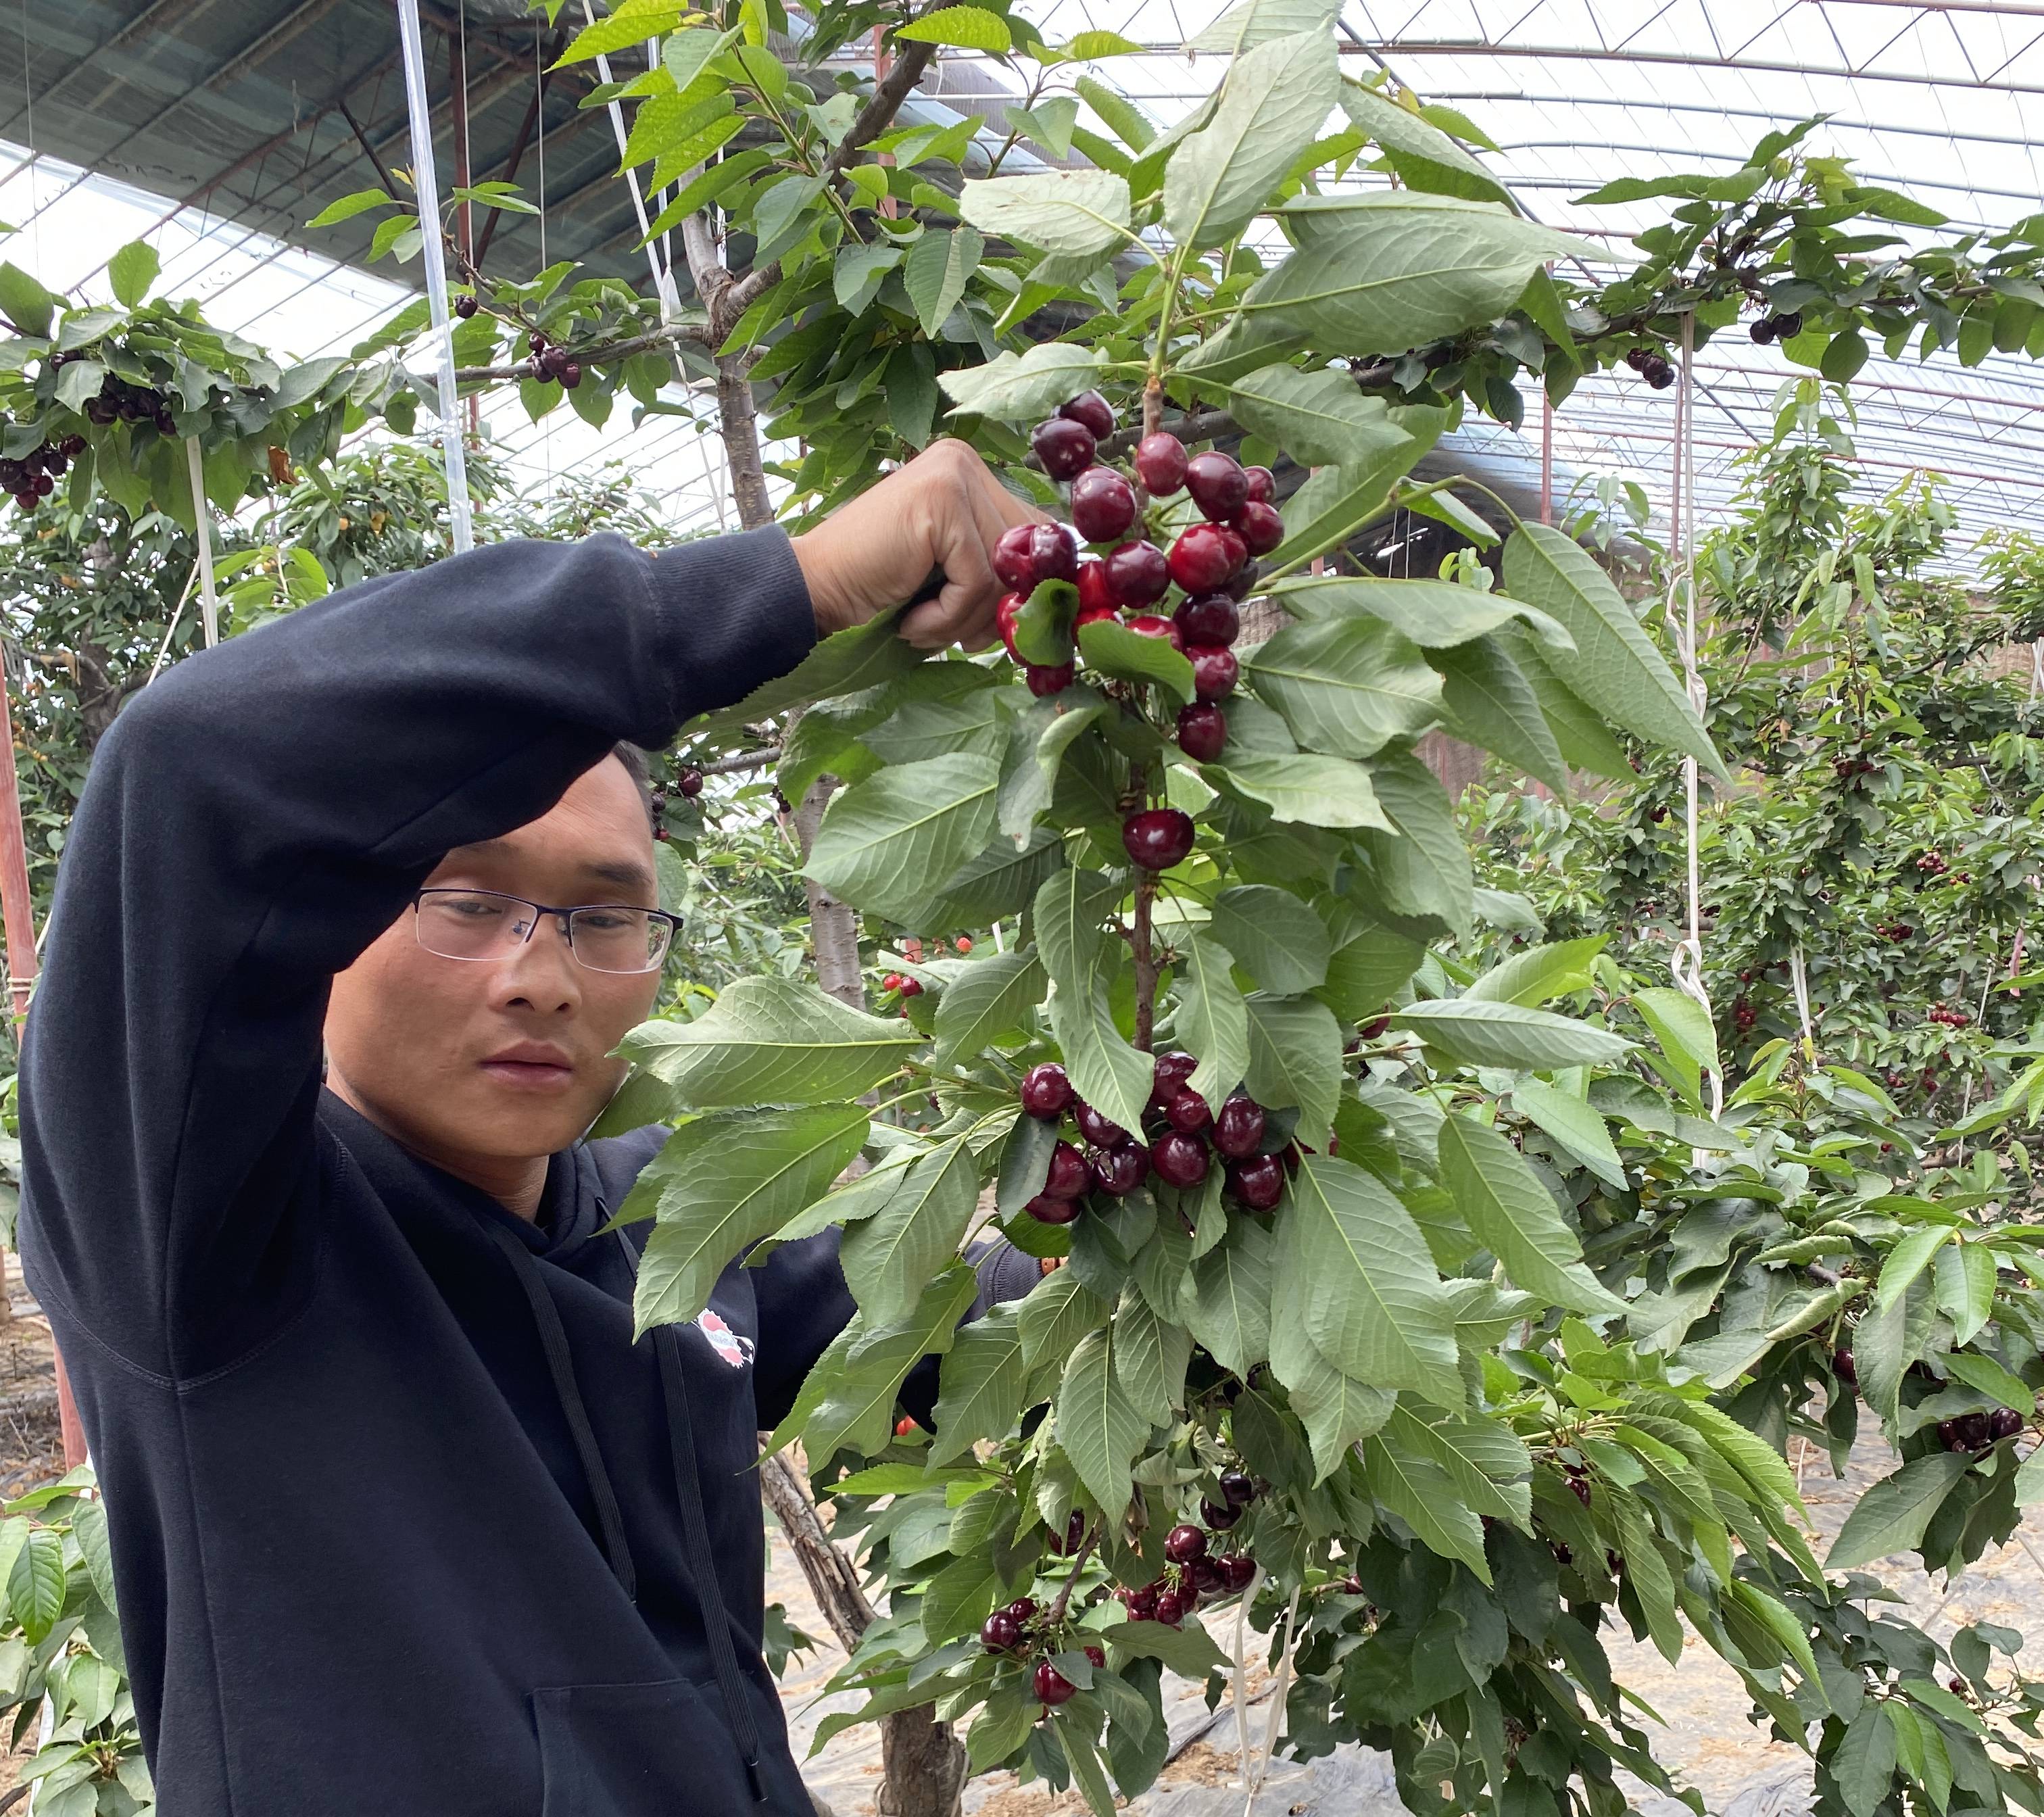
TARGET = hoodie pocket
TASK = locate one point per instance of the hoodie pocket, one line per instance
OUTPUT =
(635, 1750)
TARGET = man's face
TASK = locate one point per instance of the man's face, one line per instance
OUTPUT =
(481, 1064)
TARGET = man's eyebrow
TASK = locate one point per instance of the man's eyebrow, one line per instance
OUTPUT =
(626, 874)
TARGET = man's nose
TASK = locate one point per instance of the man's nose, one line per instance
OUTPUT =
(542, 971)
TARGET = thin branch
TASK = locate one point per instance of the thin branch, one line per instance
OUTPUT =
(1071, 1583)
(746, 760)
(660, 338)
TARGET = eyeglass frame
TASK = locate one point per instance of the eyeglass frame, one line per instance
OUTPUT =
(540, 910)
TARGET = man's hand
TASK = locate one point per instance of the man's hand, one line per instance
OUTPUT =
(943, 509)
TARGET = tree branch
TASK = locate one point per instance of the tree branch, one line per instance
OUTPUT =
(653, 343)
(833, 1580)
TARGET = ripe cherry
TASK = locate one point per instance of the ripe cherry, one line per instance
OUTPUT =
(1218, 1515)
(465, 307)
(963, 943)
(1171, 1606)
(1103, 506)
(912, 986)
(1005, 614)
(1167, 1074)
(1097, 1129)
(1047, 1210)
(536, 342)
(1218, 486)
(1160, 464)
(1257, 1180)
(1119, 1170)
(1014, 560)
(2004, 1422)
(1237, 1571)
(1157, 838)
(1065, 448)
(1091, 409)
(1137, 574)
(1000, 1632)
(1093, 594)
(1845, 1367)
(1259, 527)
(1244, 583)
(1180, 1160)
(1068, 1174)
(1096, 1656)
(1206, 1577)
(904, 1426)
(1053, 554)
(1142, 1604)
(1239, 1127)
(1047, 1090)
(571, 375)
(1238, 1488)
(1094, 615)
(1202, 732)
(1023, 1608)
(1215, 673)
(691, 784)
(1183, 1544)
(1263, 484)
(1188, 1111)
(1208, 618)
(1045, 679)
(1052, 1685)
(1204, 557)
(1149, 624)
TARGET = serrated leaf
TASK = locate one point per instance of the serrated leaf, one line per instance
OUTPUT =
(1150, 1356)
(628, 23)
(1275, 99)
(1015, 386)
(1514, 1216)
(1106, 1070)
(842, 663)
(1228, 1310)
(1373, 1304)
(1212, 1024)
(1481, 1034)
(1682, 1028)
(1491, 705)
(1278, 940)
(890, 1257)
(35, 1583)
(1336, 1409)
(1098, 1427)
(885, 842)
(1303, 786)
(966, 27)
(860, 271)
(1337, 502)
(722, 1182)
(1110, 649)
(347, 207)
(1073, 213)
(1615, 669)
(770, 1040)
(1319, 419)
(980, 1385)
(1347, 686)
(1892, 1516)
(26, 304)
(1862, 1766)
(1419, 1492)
(1295, 1058)
(1425, 156)
(991, 1001)
(1188, 1649)
(88, 1526)
(857, 1410)
(1538, 973)
(939, 267)
(1060, 1310)
(132, 270)
(1573, 1125)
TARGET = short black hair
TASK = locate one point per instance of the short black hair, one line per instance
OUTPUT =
(638, 767)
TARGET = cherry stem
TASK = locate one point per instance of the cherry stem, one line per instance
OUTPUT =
(1071, 1583)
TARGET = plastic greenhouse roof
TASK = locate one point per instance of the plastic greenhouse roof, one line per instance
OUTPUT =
(1933, 96)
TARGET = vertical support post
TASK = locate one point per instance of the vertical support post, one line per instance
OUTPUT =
(426, 185)
(209, 595)
(883, 60)
(1546, 460)
(464, 224)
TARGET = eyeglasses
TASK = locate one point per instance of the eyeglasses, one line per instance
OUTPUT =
(482, 924)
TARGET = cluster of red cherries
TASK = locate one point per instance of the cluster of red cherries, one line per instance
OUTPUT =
(1951, 1018)
(1194, 1570)
(32, 477)
(1022, 1627)
(551, 362)
(1212, 563)
(1979, 1432)
(1178, 1127)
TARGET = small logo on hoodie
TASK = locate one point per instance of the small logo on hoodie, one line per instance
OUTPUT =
(729, 1347)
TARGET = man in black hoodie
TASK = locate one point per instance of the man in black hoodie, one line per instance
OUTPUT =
(403, 1520)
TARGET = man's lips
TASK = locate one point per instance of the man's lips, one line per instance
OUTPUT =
(533, 1065)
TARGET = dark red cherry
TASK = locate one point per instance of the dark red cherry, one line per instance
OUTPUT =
(1097, 1129)
(1045, 679)
(1142, 1604)
(1024, 1608)
(690, 784)
(571, 375)
(1202, 559)
(1014, 562)
(1103, 506)
(1137, 574)
(1005, 613)
(1206, 1577)
(1180, 1160)
(1257, 1180)
(1259, 527)
(1244, 583)
(1150, 624)
(1239, 1127)
(1119, 1170)
(1047, 1091)
(1170, 1607)
(1218, 486)
(1053, 554)
(1215, 673)
(1068, 1174)
(1000, 1632)
(1238, 1569)
(1093, 594)
(1219, 1515)
(1183, 1544)
(1263, 486)
(1091, 409)
(1208, 618)
(465, 307)
(1094, 615)
(1047, 1210)
(1065, 448)
(1188, 1112)
(1096, 1656)
(1157, 838)
(1167, 1073)
(1238, 1488)
(1202, 732)
(1052, 1685)
(1160, 464)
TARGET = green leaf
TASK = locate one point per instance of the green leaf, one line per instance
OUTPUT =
(1228, 1310)
(992, 999)
(1125, 119)
(1424, 155)
(722, 1182)
(1073, 213)
(1514, 1217)
(1966, 1275)
(1907, 1259)
(347, 209)
(886, 843)
(1111, 1075)
(1295, 1058)
(1058, 1312)
(1983, 1372)
(1422, 871)
(980, 1386)
(966, 27)
(1337, 502)
(889, 1257)
(860, 271)
(628, 23)
(1491, 705)
(79, 382)
(1273, 104)
(1615, 669)
(1377, 272)
(1485, 1460)
(1416, 1489)
(1336, 1409)
(1302, 786)
(35, 1583)
(1373, 1304)
(1347, 686)
(1112, 648)
(1188, 1649)
(1014, 386)
(1087, 1772)
(857, 1409)
(24, 302)
(1892, 1516)
(1150, 1357)
(939, 267)
(1683, 1029)
(1280, 941)
(132, 270)
(1250, 22)
(1862, 1766)
(1538, 973)
(1572, 1125)
(1212, 1024)
(1097, 1427)
(771, 1040)
(88, 1527)
(842, 663)
(1481, 1034)
(1319, 419)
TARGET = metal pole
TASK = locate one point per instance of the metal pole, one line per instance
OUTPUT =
(427, 187)
(1546, 461)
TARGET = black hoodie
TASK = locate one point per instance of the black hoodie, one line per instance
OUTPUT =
(403, 1521)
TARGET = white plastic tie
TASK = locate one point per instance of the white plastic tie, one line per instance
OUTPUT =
(663, 279)
(209, 599)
